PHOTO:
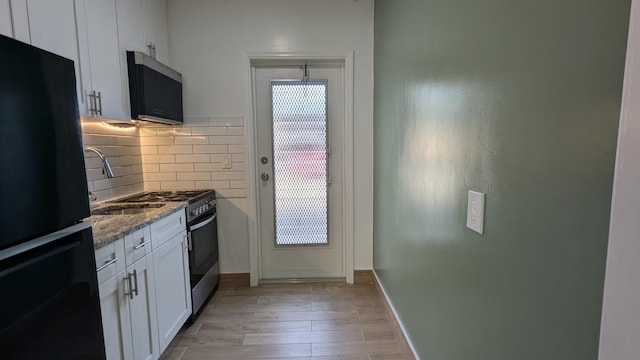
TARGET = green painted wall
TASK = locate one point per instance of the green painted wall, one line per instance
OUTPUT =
(520, 100)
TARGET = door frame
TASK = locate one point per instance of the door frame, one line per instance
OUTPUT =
(250, 60)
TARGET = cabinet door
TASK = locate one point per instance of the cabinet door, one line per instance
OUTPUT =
(116, 322)
(154, 20)
(20, 20)
(52, 26)
(6, 24)
(104, 58)
(173, 291)
(144, 325)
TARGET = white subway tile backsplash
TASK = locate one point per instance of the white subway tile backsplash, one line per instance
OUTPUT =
(194, 176)
(239, 157)
(121, 190)
(226, 140)
(160, 177)
(132, 179)
(193, 158)
(212, 185)
(156, 140)
(238, 184)
(209, 167)
(232, 193)
(191, 140)
(150, 168)
(149, 150)
(152, 185)
(177, 185)
(131, 160)
(176, 167)
(145, 131)
(209, 149)
(235, 130)
(121, 170)
(106, 184)
(122, 148)
(231, 175)
(175, 149)
(159, 159)
(162, 130)
(206, 130)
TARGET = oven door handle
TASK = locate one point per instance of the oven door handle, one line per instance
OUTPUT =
(204, 223)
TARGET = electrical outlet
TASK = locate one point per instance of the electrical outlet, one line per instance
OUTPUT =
(475, 211)
(226, 161)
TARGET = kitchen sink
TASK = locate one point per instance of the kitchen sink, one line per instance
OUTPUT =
(128, 209)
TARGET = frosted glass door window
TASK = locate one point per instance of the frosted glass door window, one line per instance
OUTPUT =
(299, 123)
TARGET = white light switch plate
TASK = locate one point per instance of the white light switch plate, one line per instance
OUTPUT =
(475, 211)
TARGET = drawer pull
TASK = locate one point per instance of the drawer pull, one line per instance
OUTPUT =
(141, 245)
(107, 263)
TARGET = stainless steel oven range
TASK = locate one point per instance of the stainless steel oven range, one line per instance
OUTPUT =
(202, 232)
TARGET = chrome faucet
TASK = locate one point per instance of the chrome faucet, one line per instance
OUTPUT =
(106, 167)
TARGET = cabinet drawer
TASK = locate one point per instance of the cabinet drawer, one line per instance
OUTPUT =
(164, 229)
(110, 260)
(137, 245)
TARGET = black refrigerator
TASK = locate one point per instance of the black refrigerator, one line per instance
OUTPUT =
(50, 305)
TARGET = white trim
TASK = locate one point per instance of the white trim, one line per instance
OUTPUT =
(395, 314)
(347, 161)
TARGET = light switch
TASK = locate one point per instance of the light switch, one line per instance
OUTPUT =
(226, 161)
(475, 211)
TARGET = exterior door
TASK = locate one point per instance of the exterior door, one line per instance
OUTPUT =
(300, 147)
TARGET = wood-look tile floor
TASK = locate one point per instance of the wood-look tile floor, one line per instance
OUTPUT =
(316, 321)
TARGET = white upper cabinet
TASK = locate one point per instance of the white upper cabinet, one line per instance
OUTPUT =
(46, 17)
(6, 25)
(105, 95)
(95, 34)
(154, 21)
(20, 20)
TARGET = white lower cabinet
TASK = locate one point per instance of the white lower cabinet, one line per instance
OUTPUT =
(144, 328)
(144, 304)
(173, 292)
(116, 319)
(129, 315)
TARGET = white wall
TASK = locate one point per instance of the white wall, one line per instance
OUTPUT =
(207, 40)
(621, 308)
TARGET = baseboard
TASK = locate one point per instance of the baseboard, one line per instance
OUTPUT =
(234, 281)
(393, 314)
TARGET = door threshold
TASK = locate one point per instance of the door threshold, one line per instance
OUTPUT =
(301, 280)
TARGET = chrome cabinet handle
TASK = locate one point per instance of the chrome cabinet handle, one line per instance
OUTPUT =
(107, 263)
(142, 244)
(264, 176)
(135, 281)
(99, 106)
(130, 293)
(93, 110)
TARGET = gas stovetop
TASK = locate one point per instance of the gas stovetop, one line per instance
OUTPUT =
(163, 196)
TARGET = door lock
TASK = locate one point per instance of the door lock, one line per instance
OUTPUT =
(264, 176)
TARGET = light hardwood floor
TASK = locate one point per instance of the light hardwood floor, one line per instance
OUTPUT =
(316, 321)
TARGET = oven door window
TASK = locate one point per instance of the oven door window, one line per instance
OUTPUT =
(204, 247)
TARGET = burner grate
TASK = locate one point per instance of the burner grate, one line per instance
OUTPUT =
(159, 196)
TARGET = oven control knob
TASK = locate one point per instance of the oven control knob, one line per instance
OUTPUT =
(194, 212)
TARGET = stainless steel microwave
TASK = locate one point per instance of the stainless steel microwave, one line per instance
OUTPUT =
(155, 90)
